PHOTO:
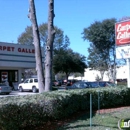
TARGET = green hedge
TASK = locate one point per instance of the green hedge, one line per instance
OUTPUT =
(31, 110)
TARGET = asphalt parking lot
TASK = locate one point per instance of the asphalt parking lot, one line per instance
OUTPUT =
(16, 93)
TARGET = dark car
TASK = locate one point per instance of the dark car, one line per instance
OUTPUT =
(102, 83)
(93, 84)
(69, 82)
(106, 84)
(78, 85)
(4, 88)
(110, 84)
(96, 84)
(66, 82)
(57, 83)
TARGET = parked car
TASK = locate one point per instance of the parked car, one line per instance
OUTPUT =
(30, 84)
(110, 84)
(4, 88)
(57, 83)
(78, 85)
(96, 84)
(93, 84)
(64, 82)
(69, 82)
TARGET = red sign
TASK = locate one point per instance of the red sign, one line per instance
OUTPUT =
(122, 31)
(12, 49)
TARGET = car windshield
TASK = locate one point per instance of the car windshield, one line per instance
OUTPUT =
(26, 81)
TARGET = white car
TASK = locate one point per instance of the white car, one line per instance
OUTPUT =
(30, 84)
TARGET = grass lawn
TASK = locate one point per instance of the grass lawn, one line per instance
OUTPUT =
(103, 121)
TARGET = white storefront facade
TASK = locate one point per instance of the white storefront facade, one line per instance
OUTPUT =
(14, 58)
(91, 75)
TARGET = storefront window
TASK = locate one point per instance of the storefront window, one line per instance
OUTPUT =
(8, 75)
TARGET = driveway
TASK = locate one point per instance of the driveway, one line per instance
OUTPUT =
(16, 93)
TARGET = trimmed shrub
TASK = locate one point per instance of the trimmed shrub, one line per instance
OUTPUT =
(32, 110)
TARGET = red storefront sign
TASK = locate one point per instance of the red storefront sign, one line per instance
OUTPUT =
(19, 50)
(122, 33)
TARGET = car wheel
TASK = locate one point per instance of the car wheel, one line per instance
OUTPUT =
(34, 89)
(20, 89)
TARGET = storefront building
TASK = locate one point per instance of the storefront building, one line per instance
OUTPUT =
(14, 59)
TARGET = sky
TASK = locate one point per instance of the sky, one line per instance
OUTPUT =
(72, 16)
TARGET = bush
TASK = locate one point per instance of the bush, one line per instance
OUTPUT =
(32, 110)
